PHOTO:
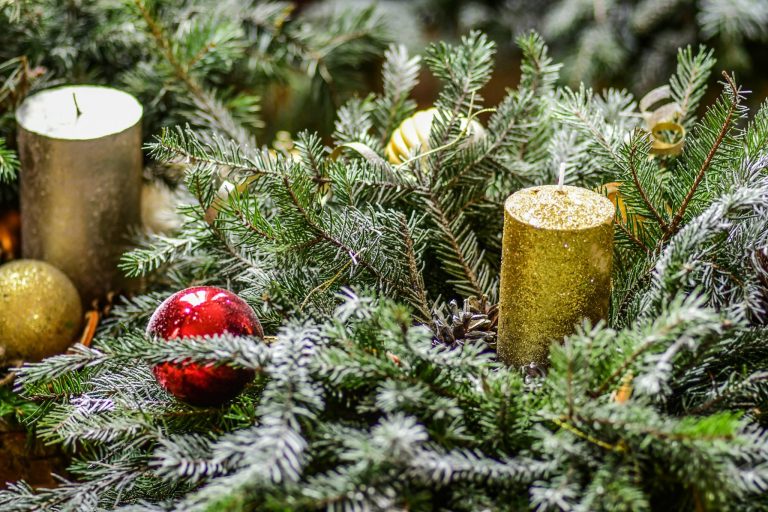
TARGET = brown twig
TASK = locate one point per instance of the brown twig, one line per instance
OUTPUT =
(719, 398)
(673, 226)
(633, 238)
(445, 227)
(641, 190)
(413, 270)
(91, 323)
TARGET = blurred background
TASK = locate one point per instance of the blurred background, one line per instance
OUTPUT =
(625, 44)
(304, 58)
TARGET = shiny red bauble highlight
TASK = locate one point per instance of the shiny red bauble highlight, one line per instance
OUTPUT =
(200, 311)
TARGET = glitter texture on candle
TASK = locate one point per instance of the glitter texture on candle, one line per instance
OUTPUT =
(556, 268)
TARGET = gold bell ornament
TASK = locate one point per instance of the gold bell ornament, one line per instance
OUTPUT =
(413, 135)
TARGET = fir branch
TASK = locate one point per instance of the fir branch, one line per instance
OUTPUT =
(688, 84)
(273, 450)
(399, 74)
(463, 272)
(632, 157)
(507, 129)
(214, 111)
(222, 349)
(117, 477)
(634, 239)
(730, 391)
(356, 257)
(140, 262)
(756, 134)
(734, 99)
(577, 111)
(362, 404)
(185, 457)
(452, 468)
(183, 145)
(538, 73)
(734, 20)
(686, 261)
(414, 270)
(465, 69)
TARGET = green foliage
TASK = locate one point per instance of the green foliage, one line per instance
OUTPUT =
(626, 42)
(399, 74)
(688, 83)
(377, 391)
(207, 63)
(13, 408)
(9, 163)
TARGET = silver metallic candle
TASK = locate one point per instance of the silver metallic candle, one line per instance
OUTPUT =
(80, 181)
(557, 252)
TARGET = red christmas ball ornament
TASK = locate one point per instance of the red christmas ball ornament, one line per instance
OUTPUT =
(200, 311)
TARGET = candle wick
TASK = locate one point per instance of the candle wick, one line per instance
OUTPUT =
(561, 177)
(77, 107)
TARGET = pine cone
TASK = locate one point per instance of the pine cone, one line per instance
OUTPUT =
(475, 322)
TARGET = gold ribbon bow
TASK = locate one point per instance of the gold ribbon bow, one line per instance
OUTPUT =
(667, 134)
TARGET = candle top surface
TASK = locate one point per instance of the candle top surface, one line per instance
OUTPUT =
(79, 112)
(556, 208)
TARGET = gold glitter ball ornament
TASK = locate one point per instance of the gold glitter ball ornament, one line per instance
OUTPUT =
(412, 136)
(40, 311)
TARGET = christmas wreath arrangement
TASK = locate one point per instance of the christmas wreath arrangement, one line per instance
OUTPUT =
(555, 303)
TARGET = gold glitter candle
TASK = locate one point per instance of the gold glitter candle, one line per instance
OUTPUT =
(80, 181)
(555, 268)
